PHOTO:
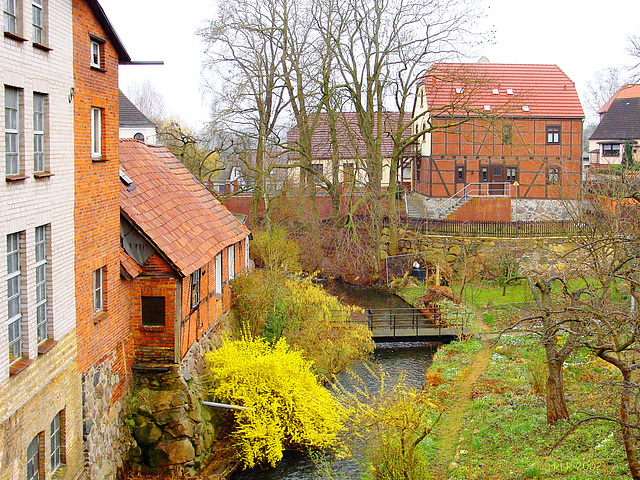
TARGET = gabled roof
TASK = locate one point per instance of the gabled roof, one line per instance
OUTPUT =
(172, 209)
(349, 137)
(505, 89)
(621, 122)
(627, 91)
(96, 8)
(130, 116)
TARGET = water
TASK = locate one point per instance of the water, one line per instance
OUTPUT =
(393, 358)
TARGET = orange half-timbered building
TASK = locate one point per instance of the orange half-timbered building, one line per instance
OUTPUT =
(180, 249)
(502, 131)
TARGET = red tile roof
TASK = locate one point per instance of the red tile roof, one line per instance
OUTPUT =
(129, 264)
(349, 138)
(628, 91)
(543, 90)
(173, 209)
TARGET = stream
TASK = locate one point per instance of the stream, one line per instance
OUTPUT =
(393, 358)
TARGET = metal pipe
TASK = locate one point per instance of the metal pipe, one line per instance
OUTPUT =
(223, 405)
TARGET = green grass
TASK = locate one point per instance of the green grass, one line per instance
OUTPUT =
(505, 434)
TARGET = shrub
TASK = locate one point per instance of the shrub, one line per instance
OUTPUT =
(286, 406)
(274, 250)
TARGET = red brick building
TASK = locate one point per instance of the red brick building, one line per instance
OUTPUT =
(180, 249)
(102, 315)
(503, 131)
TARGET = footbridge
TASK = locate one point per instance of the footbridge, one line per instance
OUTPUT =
(408, 324)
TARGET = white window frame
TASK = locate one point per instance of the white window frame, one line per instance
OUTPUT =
(12, 130)
(95, 54)
(37, 20)
(98, 290)
(55, 441)
(10, 10)
(39, 133)
(218, 268)
(231, 261)
(14, 297)
(42, 282)
(96, 132)
(33, 459)
(246, 252)
(195, 288)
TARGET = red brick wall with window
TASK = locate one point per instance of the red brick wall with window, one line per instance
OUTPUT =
(97, 204)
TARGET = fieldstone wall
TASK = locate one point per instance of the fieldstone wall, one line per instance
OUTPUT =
(106, 436)
(542, 209)
(173, 431)
(533, 255)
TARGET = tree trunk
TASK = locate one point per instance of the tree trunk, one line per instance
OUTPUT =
(627, 434)
(556, 404)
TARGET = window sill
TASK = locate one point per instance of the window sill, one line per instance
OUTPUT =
(43, 174)
(99, 159)
(153, 328)
(45, 346)
(59, 472)
(15, 178)
(19, 366)
(100, 317)
(99, 69)
(15, 37)
(39, 46)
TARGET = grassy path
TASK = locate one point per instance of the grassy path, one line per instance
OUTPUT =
(452, 422)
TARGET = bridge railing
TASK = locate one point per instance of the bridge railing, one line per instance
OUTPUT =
(398, 322)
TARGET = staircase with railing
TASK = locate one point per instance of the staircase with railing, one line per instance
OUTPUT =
(471, 190)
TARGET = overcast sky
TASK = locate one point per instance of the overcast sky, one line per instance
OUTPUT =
(580, 36)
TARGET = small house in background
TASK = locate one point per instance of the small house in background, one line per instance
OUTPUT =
(505, 140)
(180, 249)
(618, 130)
(134, 124)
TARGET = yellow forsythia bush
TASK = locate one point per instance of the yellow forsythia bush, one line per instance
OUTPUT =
(287, 407)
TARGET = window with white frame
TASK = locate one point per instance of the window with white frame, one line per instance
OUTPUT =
(219, 274)
(12, 130)
(14, 300)
(98, 290)
(231, 259)
(37, 20)
(195, 288)
(42, 282)
(96, 132)
(246, 252)
(39, 102)
(34, 467)
(55, 441)
(11, 16)
(96, 54)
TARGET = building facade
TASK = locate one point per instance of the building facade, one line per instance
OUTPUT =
(499, 130)
(40, 394)
(102, 316)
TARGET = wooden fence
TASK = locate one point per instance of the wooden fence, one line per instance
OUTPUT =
(492, 228)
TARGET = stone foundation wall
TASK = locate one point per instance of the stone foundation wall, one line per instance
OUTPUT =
(533, 255)
(106, 436)
(542, 209)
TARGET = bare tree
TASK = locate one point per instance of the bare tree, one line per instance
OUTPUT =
(148, 99)
(604, 85)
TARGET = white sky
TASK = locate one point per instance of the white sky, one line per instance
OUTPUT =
(580, 36)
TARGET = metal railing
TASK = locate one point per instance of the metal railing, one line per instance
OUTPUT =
(409, 322)
(481, 189)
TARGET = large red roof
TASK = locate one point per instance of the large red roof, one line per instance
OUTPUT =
(504, 89)
(172, 208)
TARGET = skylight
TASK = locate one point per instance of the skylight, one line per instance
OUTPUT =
(495, 91)
(509, 91)
(459, 90)
(525, 108)
(487, 107)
